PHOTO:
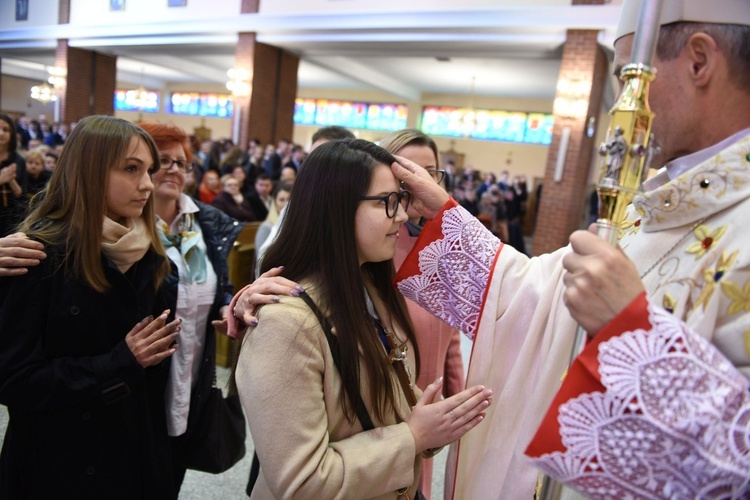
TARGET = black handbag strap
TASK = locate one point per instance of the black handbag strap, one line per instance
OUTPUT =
(333, 344)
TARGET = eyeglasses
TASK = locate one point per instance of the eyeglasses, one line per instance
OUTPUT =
(165, 163)
(437, 175)
(392, 201)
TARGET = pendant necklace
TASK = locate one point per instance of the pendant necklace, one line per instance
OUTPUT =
(671, 249)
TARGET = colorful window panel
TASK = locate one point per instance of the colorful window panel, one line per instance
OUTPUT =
(356, 115)
(510, 126)
(539, 128)
(202, 104)
(126, 100)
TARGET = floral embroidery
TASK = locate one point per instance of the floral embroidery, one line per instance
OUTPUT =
(455, 271)
(711, 278)
(740, 297)
(674, 422)
(668, 302)
(706, 239)
(719, 182)
(631, 226)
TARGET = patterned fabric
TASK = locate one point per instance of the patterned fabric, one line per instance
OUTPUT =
(187, 240)
(689, 241)
(671, 415)
(674, 421)
(457, 268)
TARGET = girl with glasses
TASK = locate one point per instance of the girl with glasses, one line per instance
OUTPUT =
(439, 344)
(327, 379)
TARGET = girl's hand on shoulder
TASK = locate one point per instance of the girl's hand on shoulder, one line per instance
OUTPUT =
(151, 340)
(265, 290)
(435, 423)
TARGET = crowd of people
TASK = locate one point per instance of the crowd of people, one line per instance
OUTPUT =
(30, 148)
(114, 291)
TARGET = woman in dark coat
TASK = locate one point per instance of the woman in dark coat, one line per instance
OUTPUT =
(13, 177)
(80, 351)
(197, 238)
(232, 202)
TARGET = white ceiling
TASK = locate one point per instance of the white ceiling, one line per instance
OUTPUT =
(513, 52)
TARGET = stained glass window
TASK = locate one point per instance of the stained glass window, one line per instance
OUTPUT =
(202, 104)
(358, 115)
(127, 100)
(494, 125)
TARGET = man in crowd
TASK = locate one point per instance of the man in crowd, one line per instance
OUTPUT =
(261, 200)
(272, 165)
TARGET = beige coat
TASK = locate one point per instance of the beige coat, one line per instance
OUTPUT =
(290, 390)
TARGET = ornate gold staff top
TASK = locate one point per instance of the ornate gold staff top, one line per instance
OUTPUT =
(629, 145)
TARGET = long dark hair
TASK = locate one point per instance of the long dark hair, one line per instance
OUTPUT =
(317, 242)
(13, 142)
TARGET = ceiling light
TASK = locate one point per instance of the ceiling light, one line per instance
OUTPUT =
(239, 82)
(43, 93)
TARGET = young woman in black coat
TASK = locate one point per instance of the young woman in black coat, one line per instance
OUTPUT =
(13, 178)
(83, 334)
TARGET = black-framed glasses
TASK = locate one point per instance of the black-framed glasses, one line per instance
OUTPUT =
(437, 175)
(392, 201)
(165, 163)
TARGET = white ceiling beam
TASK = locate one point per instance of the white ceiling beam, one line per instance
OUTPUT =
(354, 70)
(562, 18)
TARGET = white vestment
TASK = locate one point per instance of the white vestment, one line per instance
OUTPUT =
(686, 236)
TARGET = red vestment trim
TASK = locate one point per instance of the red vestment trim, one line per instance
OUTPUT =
(583, 375)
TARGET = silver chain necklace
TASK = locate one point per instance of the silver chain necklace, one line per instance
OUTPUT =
(671, 249)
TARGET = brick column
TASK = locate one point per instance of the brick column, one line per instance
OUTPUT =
(91, 81)
(268, 112)
(562, 203)
(91, 78)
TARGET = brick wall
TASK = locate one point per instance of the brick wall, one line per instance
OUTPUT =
(91, 82)
(268, 113)
(562, 203)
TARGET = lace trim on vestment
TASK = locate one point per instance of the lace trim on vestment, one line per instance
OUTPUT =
(455, 271)
(674, 421)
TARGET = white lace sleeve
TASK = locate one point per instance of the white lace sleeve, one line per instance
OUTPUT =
(455, 271)
(674, 421)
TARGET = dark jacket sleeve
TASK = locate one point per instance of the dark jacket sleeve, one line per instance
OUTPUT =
(219, 233)
(31, 379)
(22, 176)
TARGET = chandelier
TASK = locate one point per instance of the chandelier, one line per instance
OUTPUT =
(47, 91)
(239, 82)
(142, 98)
(43, 93)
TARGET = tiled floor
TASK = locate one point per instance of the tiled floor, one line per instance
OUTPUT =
(231, 484)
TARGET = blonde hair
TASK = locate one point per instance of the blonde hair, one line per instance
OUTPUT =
(35, 154)
(398, 140)
(227, 177)
(71, 212)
